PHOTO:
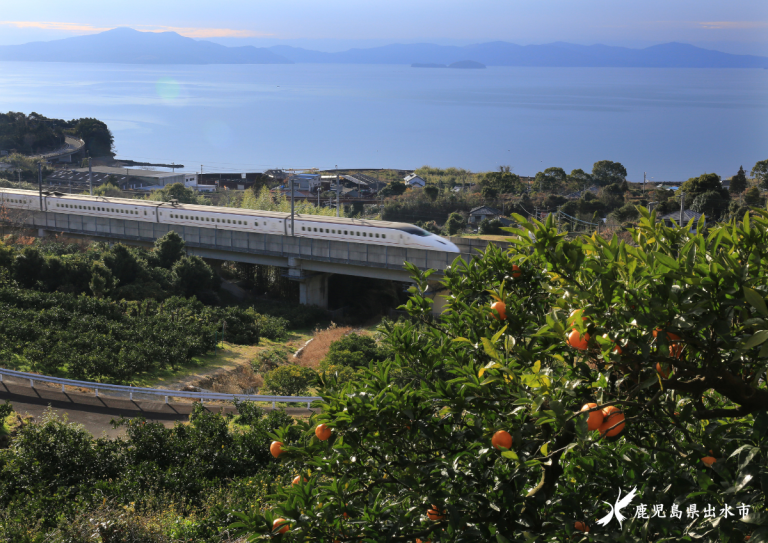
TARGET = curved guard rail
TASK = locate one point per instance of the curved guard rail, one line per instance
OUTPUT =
(33, 377)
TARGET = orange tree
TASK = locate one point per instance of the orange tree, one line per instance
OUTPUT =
(410, 456)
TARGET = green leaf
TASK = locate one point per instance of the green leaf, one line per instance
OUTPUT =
(488, 348)
(755, 300)
(668, 261)
(757, 339)
(498, 334)
(544, 449)
(509, 454)
(537, 367)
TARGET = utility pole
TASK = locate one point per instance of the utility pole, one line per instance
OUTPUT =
(292, 206)
(338, 190)
(643, 183)
(90, 176)
(682, 206)
(40, 182)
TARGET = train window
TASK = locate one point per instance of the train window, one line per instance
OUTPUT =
(383, 235)
(315, 229)
(358, 233)
(228, 221)
(345, 233)
(327, 231)
(377, 235)
(145, 212)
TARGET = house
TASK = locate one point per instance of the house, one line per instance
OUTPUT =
(277, 175)
(414, 180)
(304, 181)
(479, 213)
(578, 194)
(687, 216)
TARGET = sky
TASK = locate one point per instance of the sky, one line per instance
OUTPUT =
(735, 26)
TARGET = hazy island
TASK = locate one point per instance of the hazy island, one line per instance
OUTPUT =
(461, 65)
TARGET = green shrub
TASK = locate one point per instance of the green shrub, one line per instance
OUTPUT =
(490, 227)
(353, 351)
(269, 359)
(5, 410)
(274, 328)
(297, 316)
(289, 380)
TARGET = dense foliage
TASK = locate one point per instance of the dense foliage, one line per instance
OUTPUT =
(30, 134)
(55, 473)
(118, 272)
(84, 337)
(36, 134)
(353, 351)
(289, 380)
(670, 329)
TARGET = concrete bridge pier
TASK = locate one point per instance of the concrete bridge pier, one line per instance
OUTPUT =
(313, 286)
(313, 290)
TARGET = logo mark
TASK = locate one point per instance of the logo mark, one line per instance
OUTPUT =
(620, 504)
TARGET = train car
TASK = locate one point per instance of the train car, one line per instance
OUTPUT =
(385, 233)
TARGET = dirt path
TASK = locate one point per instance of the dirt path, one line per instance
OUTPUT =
(238, 356)
(233, 360)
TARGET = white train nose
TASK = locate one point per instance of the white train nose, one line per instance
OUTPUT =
(443, 244)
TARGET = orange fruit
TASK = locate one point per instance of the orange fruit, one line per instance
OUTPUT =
(664, 372)
(675, 350)
(595, 418)
(709, 460)
(577, 341)
(516, 271)
(501, 309)
(276, 448)
(282, 523)
(581, 526)
(502, 439)
(670, 335)
(297, 479)
(434, 514)
(322, 432)
(612, 415)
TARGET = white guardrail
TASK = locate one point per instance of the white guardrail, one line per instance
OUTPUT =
(131, 390)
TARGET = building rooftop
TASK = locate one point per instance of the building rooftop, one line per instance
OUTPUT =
(129, 172)
(484, 210)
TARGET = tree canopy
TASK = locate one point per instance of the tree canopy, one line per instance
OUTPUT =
(549, 180)
(503, 182)
(96, 135)
(703, 183)
(760, 172)
(605, 172)
(738, 182)
(666, 335)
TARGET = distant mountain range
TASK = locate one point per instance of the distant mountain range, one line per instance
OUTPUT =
(128, 46)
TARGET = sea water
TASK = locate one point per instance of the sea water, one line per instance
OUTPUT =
(670, 123)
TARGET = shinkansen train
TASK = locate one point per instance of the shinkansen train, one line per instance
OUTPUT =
(386, 233)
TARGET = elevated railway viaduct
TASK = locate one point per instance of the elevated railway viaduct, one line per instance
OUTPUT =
(309, 261)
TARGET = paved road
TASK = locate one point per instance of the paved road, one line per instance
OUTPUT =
(96, 413)
(71, 146)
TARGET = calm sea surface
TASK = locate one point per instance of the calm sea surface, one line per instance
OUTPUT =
(672, 123)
